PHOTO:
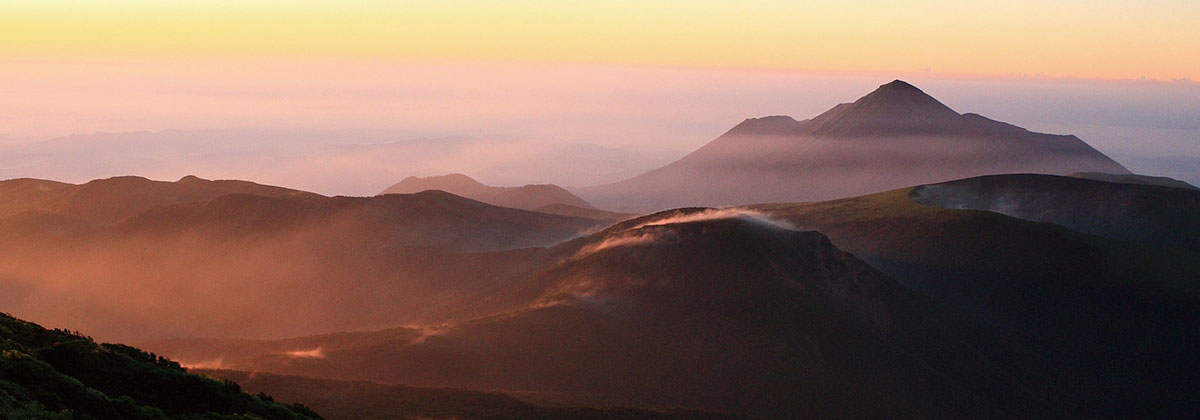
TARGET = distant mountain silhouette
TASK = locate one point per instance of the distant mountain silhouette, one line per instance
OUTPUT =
(529, 197)
(893, 137)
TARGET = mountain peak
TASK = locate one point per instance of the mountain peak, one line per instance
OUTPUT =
(895, 108)
(898, 84)
(901, 97)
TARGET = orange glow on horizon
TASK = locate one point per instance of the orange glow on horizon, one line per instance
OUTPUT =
(1110, 40)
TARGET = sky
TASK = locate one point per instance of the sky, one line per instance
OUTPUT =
(347, 97)
(1108, 39)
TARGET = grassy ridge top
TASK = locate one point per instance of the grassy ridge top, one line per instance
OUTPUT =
(58, 374)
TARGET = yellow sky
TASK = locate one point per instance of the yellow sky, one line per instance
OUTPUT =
(1090, 39)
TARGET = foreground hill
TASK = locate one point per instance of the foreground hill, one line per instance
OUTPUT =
(529, 197)
(345, 400)
(1121, 317)
(1161, 181)
(1140, 213)
(894, 137)
(266, 265)
(55, 374)
(695, 308)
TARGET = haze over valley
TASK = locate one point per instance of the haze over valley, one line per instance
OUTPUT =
(599, 210)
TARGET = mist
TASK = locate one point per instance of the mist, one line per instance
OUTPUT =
(353, 127)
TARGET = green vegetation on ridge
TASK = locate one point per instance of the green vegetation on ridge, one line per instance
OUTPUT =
(57, 374)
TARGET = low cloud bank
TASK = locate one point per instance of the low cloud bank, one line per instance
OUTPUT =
(633, 236)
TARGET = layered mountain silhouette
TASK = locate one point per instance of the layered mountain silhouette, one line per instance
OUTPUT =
(893, 137)
(971, 313)
(528, 197)
(694, 308)
(950, 271)
(212, 258)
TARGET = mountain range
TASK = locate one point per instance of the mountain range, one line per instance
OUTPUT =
(890, 258)
(743, 310)
(223, 256)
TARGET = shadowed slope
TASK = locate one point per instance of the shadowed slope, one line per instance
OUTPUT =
(1146, 214)
(1122, 318)
(345, 400)
(695, 309)
(1136, 179)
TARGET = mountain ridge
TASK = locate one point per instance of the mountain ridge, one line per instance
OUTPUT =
(402, 252)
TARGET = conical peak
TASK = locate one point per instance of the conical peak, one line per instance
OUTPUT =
(898, 85)
(901, 97)
(895, 108)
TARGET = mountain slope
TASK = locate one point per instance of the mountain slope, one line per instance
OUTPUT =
(529, 197)
(344, 400)
(694, 308)
(585, 213)
(53, 374)
(1136, 179)
(1155, 215)
(224, 266)
(893, 137)
(1120, 317)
